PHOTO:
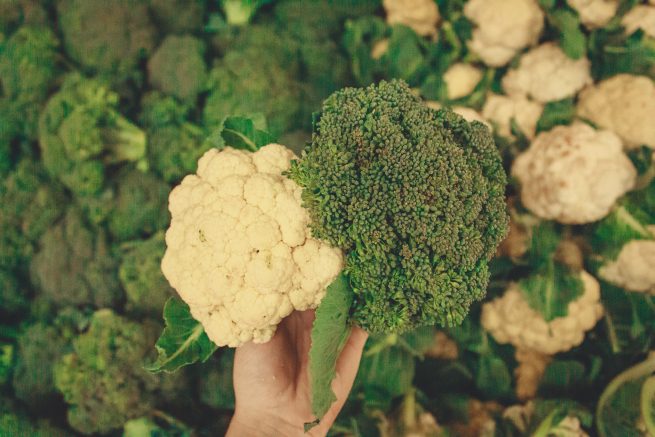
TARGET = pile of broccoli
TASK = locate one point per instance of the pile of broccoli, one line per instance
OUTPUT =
(105, 106)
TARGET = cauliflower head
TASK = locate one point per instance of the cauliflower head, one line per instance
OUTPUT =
(546, 74)
(573, 174)
(624, 104)
(503, 27)
(640, 17)
(239, 250)
(461, 79)
(510, 319)
(595, 13)
(500, 110)
(421, 15)
(634, 268)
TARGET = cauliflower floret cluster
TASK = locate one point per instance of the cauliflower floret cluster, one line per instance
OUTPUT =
(510, 319)
(640, 17)
(624, 104)
(461, 79)
(546, 74)
(500, 110)
(595, 13)
(239, 249)
(503, 28)
(573, 174)
(634, 268)
(420, 15)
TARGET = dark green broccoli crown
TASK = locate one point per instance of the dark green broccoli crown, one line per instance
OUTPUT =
(75, 266)
(175, 16)
(413, 195)
(106, 36)
(103, 379)
(178, 67)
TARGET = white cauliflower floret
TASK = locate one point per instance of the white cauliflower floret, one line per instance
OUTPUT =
(624, 104)
(500, 110)
(595, 13)
(510, 319)
(461, 79)
(640, 17)
(573, 174)
(503, 28)
(634, 268)
(239, 250)
(546, 74)
(421, 15)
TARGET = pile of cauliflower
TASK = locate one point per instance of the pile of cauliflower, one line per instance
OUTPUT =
(239, 249)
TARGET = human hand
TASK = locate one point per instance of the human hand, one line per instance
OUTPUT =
(271, 381)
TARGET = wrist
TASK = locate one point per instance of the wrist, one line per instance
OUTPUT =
(257, 424)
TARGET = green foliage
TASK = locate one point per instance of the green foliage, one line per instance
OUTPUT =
(183, 341)
(417, 250)
(81, 131)
(215, 386)
(140, 273)
(330, 332)
(30, 204)
(565, 23)
(177, 16)
(108, 37)
(178, 67)
(75, 266)
(556, 113)
(612, 52)
(102, 379)
(13, 297)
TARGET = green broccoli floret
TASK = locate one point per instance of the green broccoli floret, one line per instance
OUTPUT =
(17, 424)
(14, 13)
(140, 273)
(177, 16)
(74, 265)
(139, 205)
(109, 37)
(103, 380)
(13, 298)
(28, 67)
(240, 12)
(174, 143)
(257, 75)
(10, 13)
(415, 198)
(81, 131)
(178, 67)
(30, 204)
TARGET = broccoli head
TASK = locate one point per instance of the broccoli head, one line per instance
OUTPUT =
(140, 273)
(74, 265)
(178, 68)
(415, 198)
(13, 298)
(102, 379)
(177, 16)
(257, 75)
(139, 205)
(174, 143)
(240, 12)
(28, 67)
(109, 37)
(30, 204)
(81, 131)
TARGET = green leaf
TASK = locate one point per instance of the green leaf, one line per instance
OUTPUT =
(493, 377)
(572, 39)
(183, 340)
(556, 113)
(618, 410)
(329, 335)
(564, 374)
(241, 132)
(549, 290)
(648, 405)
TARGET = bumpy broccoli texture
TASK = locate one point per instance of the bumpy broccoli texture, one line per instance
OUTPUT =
(102, 379)
(415, 198)
(81, 131)
(75, 265)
